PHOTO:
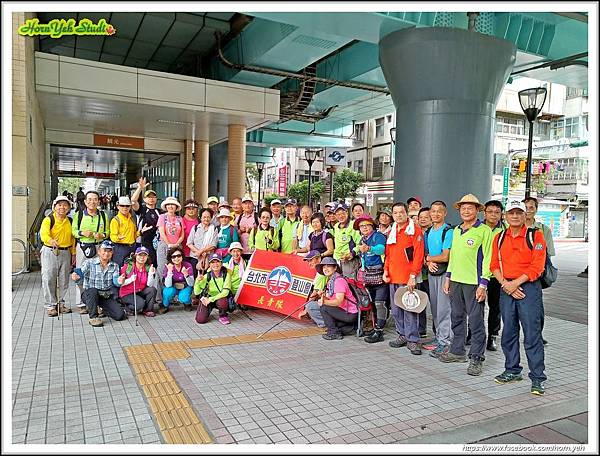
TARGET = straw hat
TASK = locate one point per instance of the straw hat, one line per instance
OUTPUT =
(471, 199)
(170, 200)
(411, 302)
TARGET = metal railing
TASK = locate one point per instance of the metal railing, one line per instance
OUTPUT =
(25, 253)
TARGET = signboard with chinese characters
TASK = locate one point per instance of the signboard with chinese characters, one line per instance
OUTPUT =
(282, 181)
(277, 282)
(126, 142)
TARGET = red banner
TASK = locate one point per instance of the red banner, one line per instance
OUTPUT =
(276, 281)
(282, 181)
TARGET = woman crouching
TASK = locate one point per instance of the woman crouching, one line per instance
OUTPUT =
(337, 307)
(214, 289)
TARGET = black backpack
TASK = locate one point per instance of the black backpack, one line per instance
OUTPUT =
(38, 239)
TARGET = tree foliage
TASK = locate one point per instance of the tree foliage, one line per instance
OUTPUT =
(251, 177)
(299, 191)
(345, 184)
(268, 198)
(70, 184)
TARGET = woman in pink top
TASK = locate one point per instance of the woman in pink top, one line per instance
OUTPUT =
(138, 277)
(170, 227)
(337, 305)
(190, 220)
(245, 224)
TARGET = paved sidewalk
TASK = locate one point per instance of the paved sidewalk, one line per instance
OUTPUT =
(72, 383)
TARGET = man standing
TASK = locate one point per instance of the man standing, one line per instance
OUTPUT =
(57, 255)
(438, 242)
(123, 232)
(403, 262)
(466, 282)
(493, 218)
(80, 196)
(276, 213)
(414, 204)
(213, 204)
(147, 216)
(518, 259)
(288, 226)
(304, 229)
(89, 228)
(424, 221)
(99, 276)
(531, 206)
(346, 240)
(237, 207)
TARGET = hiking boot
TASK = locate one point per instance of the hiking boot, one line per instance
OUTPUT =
(162, 310)
(224, 320)
(149, 313)
(450, 357)
(101, 313)
(399, 342)
(475, 367)
(128, 312)
(52, 312)
(187, 307)
(437, 351)
(507, 377)
(82, 310)
(96, 322)
(431, 345)
(537, 387)
(368, 333)
(332, 336)
(375, 336)
(64, 309)
(414, 348)
(491, 345)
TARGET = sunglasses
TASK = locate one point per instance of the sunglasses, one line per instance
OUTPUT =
(176, 256)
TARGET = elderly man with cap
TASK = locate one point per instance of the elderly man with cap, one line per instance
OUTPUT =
(89, 228)
(466, 282)
(226, 234)
(245, 223)
(57, 255)
(330, 220)
(518, 260)
(123, 231)
(403, 260)
(414, 204)
(136, 284)
(312, 307)
(99, 275)
(301, 243)
(276, 216)
(346, 240)
(147, 214)
(337, 303)
(213, 204)
(288, 226)
(214, 289)
(172, 234)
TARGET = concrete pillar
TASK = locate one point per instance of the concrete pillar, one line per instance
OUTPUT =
(201, 172)
(185, 167)
(445, 83)
(236, 166)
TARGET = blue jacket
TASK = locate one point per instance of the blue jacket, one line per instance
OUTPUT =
(377, 242)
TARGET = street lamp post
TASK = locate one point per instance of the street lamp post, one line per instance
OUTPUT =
(532, 101)
(310, 156)
(259, 167)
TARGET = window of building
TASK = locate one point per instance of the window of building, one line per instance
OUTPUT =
(389, 118)
(377, 167)
(510, 126)
(572, 127)
(359, 131)
(358, 166)
(379, 127)
(557, 129)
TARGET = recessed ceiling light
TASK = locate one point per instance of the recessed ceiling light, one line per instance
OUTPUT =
(173, 122)
(102, 114)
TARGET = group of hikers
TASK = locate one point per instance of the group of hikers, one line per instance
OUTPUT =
(146, 258)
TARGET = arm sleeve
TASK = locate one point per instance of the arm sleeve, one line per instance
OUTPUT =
(190, 280)
(169, 280)
(538, 257)
(45, 230)
(74, 228)
(275, 244)
(357, 237)
(151, 279)
(114, 230)
(106, 227)
(495, 261)
(379, 248)
(252, 238)
(115, 274)
(447, 244)
(236, 236)
(199, 285)
(486, 247)
(450, 262)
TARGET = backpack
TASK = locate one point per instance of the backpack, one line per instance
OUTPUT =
(239, 218)
(550, 272)
(38, 238)
(156, 239)
(441, 266)
(100, 213)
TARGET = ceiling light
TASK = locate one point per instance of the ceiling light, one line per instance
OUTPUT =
(173, 122)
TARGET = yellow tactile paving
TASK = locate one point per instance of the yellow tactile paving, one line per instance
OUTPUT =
(176, 419)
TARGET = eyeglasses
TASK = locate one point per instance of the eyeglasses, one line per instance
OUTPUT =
(176, 256)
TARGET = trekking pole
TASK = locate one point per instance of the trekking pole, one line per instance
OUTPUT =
(244, 312)
(284, 319)
(56, 252)
(135, 303)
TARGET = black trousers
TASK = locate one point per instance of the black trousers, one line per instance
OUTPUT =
(152, 250)
(111, 307)
(338, 320)
(493, 293)
(144, 300)
(121, 252)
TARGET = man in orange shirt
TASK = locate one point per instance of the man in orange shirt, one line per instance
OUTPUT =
(518, 259)
(403, 261)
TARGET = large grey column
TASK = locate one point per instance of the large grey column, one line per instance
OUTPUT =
(445, 84)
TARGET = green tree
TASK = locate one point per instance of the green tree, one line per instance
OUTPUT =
(345, 184)
(70, 184)
(251, 177)
(268, 198)
(299, 191)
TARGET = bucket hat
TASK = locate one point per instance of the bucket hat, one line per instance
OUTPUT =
(414, 301)
(60, 198)
(471, 199)
(235, 245)
(327, 261)
(170, 200)
(225, 213)
(124, 201)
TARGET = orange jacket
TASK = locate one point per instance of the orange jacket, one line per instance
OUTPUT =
(397, 264)
(517, 257)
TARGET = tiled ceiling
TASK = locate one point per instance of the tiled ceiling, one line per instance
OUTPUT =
(156, 41)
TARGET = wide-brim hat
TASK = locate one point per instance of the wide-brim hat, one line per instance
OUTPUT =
(470, 199)
(247, 199)
(225, 204)
(414, 301)
(363, 218)
(124, 201)
(224, 213)
(235, 245)
(170, 200)
(60, 198)
(327, 261)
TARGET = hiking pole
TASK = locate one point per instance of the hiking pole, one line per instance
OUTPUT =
(284, 319)
(56, 252)
(244, 312)
(135, 304)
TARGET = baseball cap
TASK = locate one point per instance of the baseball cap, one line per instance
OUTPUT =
(275, 201)
(290, 201)
(331, 204)
(340, 206)
(143, 250)
(310, 255)
(106, 245)
(212, 199)
(149, 192)
(414, 198)
(247, 198)
(215, 256)
(60, 198)
(515, 204)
